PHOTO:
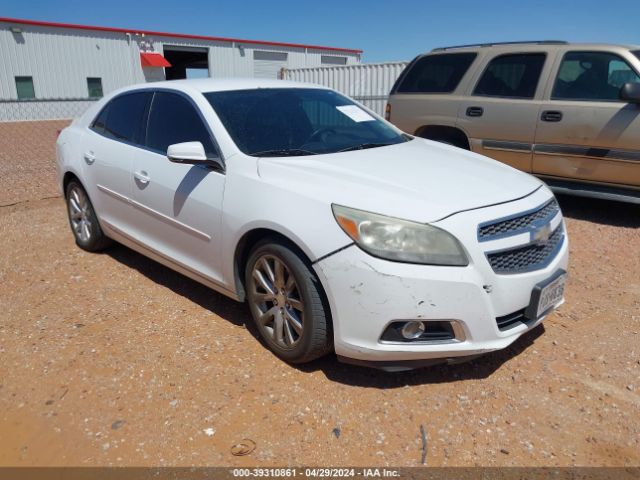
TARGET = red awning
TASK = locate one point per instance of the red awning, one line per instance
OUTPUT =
(153, 60)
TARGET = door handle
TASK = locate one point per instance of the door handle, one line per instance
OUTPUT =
(475, 111)
(89, 157)
(551, 116)
(142, 177)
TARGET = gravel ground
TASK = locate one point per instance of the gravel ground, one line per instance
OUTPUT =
(112, 359)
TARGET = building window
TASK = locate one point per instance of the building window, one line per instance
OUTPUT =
(331, 60)
(94, 85)
(24, 87)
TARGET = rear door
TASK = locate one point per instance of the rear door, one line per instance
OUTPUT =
(108, 149)
(425, 94)
(177, 207)
(500, 112)
(585, 131)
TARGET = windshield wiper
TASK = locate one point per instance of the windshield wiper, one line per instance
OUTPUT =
(364, 146)
(292, 152)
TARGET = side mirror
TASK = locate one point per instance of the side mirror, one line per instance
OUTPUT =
(191, 153)
(630, 92)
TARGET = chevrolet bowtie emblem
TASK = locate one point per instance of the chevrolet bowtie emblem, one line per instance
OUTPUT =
(540, 235)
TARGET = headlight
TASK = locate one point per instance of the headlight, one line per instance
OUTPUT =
(400, 240)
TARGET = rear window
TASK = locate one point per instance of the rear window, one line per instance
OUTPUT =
(514, 76)
(637, 54)
(101, 120)
(436, 73)
(124, 115)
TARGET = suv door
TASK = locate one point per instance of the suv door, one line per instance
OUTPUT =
(499, 115)
(108, 149)
(178, 207)
(585, 131)
(424, 94)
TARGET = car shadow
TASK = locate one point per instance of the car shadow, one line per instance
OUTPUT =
(179, 284)
(609, 212)
(238, 314)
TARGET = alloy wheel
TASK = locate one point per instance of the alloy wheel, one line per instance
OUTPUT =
(80, 214)
(276, 299)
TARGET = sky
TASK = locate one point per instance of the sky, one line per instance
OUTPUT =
(385, 30)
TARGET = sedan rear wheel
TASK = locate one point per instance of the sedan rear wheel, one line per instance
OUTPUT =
(286, 303)
(82, 219)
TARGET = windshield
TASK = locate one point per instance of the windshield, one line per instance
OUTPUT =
(298, 121)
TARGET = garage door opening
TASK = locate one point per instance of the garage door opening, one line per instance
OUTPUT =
(186, 62)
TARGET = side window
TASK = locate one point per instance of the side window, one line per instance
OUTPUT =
(24, 87)
(440, 73)
(94, 86)
(592, 76)
(332, 60)
(100, 122)
(173, 119)
(125, 117)
(514, 76)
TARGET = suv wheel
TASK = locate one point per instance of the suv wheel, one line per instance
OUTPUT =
(286, 302)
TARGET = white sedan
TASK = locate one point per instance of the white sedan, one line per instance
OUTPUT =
(340, 232)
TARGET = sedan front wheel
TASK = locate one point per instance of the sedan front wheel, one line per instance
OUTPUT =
(286, 302)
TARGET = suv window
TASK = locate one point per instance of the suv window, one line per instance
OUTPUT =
(122, 118)
(436, 73)
(592, 76)
(174, 119)
(513, 75)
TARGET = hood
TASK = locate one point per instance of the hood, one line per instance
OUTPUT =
(418, 180)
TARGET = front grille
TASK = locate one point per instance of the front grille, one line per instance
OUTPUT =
(527, 258)
(513, 319)
(519, 224)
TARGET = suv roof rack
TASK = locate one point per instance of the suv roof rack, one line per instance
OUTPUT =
(532, 42)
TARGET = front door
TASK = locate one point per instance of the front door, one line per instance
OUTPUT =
(585, 131)
(178, 208)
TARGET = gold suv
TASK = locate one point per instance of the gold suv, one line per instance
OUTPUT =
(569, 113)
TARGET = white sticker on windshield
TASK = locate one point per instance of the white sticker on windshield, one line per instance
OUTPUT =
(355, 113)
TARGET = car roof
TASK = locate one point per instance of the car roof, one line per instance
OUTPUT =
(206, 85)
(530, 46)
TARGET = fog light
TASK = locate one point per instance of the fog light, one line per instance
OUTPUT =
(412, 330)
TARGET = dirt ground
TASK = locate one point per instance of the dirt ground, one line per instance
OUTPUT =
(112, 359)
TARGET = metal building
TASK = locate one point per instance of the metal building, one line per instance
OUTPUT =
(55, 70)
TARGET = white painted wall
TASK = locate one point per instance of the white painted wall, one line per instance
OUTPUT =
(61, 59)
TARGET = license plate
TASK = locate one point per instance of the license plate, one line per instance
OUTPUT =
(546, 295)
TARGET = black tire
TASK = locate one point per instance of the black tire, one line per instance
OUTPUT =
(96, 240)
(316, 337)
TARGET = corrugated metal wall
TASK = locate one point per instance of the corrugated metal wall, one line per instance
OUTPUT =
(368, 83)
(61, 59)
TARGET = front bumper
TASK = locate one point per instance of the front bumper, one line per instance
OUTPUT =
(367, 293)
